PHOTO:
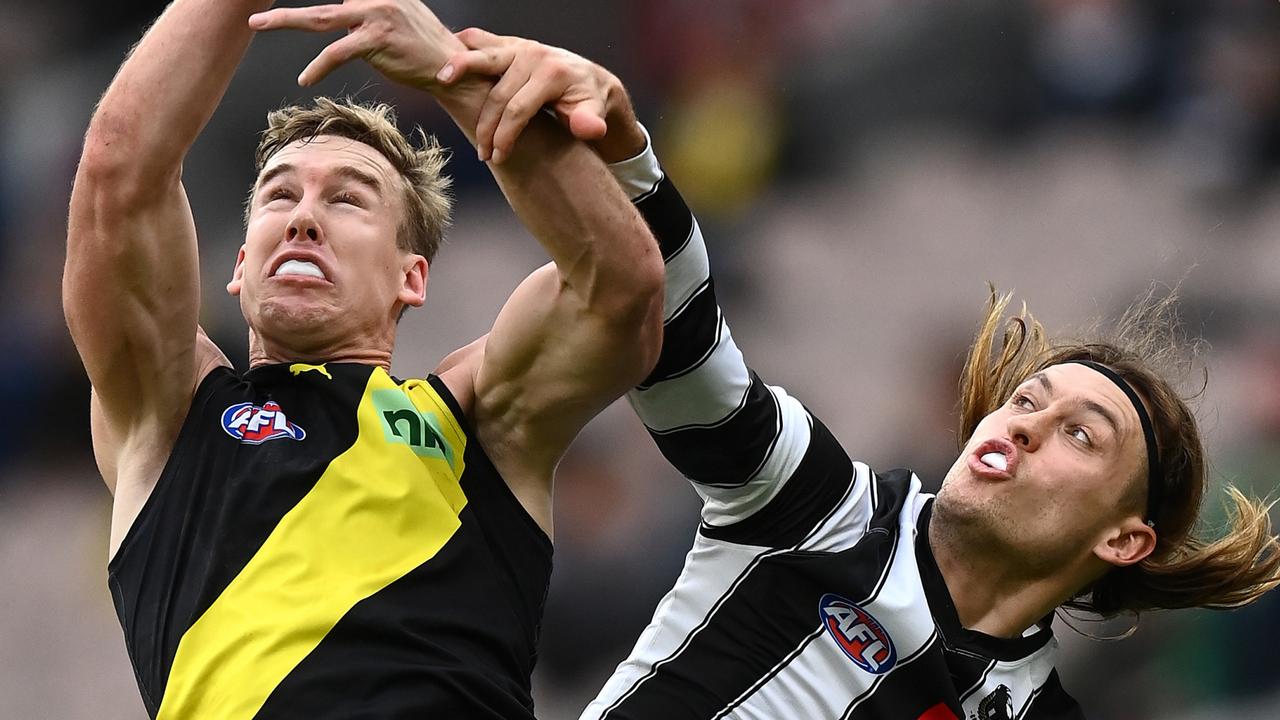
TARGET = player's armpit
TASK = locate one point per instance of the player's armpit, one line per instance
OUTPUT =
(458, 372)
(106, 446)
(106, 439)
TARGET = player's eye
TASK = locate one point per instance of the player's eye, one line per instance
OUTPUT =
(347, 199)
(1080, 434)
(1022, 400)
(280, 193)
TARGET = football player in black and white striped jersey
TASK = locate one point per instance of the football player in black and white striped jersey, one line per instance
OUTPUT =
(817, 588)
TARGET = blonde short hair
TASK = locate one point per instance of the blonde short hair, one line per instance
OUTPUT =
(426, 191)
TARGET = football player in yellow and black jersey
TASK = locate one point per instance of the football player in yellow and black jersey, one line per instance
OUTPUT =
(316, 538)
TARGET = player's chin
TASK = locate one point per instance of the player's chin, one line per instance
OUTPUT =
(295, 317)
(964, 497)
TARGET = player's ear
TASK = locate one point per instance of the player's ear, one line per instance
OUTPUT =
(1127, 543)
(237, 274)
(413, 290)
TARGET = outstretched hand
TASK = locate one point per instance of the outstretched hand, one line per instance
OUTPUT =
(402, 39)
(586, 98)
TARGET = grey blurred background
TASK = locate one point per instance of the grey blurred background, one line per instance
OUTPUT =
(861, 168)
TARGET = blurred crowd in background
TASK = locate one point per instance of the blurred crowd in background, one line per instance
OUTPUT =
(861, 169)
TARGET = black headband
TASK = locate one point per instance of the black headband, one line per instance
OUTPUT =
(1155, 478)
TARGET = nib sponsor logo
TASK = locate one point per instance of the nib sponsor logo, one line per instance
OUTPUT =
(254, 424)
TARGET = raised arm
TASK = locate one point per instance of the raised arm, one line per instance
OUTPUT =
(744, 444)
(131, 283)
(579, 331)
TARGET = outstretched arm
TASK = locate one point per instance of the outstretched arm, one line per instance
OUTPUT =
(131, 283)
(743, 443)
(578, 332)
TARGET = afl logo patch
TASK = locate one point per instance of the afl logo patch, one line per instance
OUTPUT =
(255, 425)
(859, 635)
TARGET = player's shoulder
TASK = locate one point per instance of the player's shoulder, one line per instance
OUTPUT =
(458, 370)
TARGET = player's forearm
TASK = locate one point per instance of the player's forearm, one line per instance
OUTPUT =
(565, 196)
(563, 193)
(168, 88)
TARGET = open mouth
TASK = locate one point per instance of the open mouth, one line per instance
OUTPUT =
(995, 458)
(299, 268)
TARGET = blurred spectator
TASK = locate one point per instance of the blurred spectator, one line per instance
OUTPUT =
(1097, 56)
(1227, 129)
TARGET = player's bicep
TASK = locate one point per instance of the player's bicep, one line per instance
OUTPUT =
(552, 362)
(131, 296)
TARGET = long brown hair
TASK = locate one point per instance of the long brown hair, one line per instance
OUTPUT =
(1186, 569)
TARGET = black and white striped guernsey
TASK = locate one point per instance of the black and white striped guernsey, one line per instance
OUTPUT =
(810, 591)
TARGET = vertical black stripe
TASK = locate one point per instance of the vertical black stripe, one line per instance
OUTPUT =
(728, 593)
(915, 684)
(668, 217)
(782, 665)
(963, 667)
(726, 454)
(760, 624)
(819, 483)
(688, 338)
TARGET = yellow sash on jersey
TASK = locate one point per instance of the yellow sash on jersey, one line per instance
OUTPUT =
(382, 508)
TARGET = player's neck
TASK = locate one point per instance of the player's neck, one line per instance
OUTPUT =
(264, 352)
(990, 594)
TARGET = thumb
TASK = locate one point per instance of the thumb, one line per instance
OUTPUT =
(586, 121)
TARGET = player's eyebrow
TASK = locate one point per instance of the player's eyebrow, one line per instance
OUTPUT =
(1043, 379)
(274, 173)
(1090, 405)
(346, 172)
(1106, 414)
(357, 175)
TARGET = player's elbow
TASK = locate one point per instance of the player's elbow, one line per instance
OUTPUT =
(649, 340)
(636, 311)
(650, 314)
(115, 173)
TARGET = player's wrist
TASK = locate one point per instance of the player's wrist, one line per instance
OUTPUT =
(640, 173)
(462, 100)
(624, 137)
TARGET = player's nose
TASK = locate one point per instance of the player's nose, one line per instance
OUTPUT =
(1027, 430)
(303, 225)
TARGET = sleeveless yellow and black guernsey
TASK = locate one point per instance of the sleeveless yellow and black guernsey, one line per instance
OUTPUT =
(330, 542)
